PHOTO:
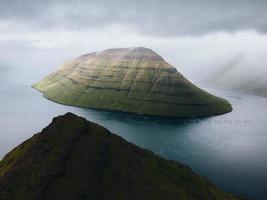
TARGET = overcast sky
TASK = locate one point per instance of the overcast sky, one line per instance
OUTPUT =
(192, 35)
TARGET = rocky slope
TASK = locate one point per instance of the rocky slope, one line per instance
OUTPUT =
(76, 159)
(134, 80)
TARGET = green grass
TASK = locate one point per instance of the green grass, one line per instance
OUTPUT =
(130, 82)
(76, 159)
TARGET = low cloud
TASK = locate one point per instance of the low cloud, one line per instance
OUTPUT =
(151, 17)
(195, 56)
(197, 37)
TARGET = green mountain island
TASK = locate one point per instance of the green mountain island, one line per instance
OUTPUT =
(75, 159)
(135, 80)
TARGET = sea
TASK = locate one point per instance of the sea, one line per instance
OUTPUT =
(230, 149)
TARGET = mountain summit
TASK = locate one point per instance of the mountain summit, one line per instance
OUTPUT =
(136, 80)
(75, 159)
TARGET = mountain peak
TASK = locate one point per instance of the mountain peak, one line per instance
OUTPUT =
(134, 80)
(76, 159)
(134, 53)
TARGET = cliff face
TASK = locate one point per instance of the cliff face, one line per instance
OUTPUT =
(76, 159)
(134, 80)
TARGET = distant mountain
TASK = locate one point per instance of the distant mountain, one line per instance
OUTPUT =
(76, 159)
(241, 73)
(134, 80)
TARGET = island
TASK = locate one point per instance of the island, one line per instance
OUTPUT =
(135, 80)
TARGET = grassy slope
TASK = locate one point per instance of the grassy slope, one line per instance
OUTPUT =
(76, 159)
(143, 84)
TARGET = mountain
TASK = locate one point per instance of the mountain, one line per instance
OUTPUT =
(73, 159)
(242, 73)
(134, 80)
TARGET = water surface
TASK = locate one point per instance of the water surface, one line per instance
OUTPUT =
(229, 149)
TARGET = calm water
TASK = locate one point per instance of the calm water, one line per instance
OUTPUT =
(230, 149)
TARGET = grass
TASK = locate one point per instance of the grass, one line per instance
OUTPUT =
(76, 159)
(126, 81)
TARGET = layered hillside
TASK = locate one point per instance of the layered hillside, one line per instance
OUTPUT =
(134, 80)
(75, 159)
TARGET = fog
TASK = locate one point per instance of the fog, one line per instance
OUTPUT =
(152, 17)
(244, 73)
(214, 43)
(197, 38)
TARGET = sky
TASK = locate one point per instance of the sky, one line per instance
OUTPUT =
(196, 36)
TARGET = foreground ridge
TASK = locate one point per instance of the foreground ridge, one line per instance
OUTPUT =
(73, 158)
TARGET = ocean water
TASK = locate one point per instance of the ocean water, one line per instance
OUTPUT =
(230, 150)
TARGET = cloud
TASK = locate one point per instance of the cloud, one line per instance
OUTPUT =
(151, 17)
(196, 36)
(194, 55)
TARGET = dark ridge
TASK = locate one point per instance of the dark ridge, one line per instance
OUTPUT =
(75, 159)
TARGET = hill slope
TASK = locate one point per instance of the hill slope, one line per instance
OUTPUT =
(134, 80)
(76, 159)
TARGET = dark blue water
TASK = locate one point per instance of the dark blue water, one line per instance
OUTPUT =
(231, 149)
